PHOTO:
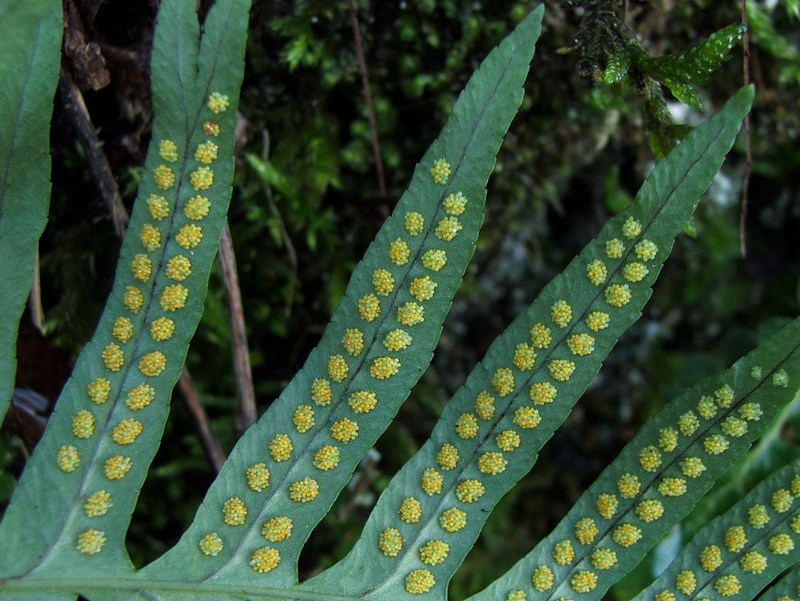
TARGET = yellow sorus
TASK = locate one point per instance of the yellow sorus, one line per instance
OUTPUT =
(734, 427)
(257, 476)
(447, 228)
(597, 272)
(179, 268)
(345, 430)
(211, 128)
(650, 458)
(527, 417)
(688, 423)
(781, 544)
(467, 426)
(455, 204)
(540, 336)
(581, 344)
(782, 500)
(326, 458)
(202, 178)
(410, 510)
(399, 252)
(715, 444)
(196, 208)
(447, 457)
(90, 542)
(174, 297)
(162, 329)
(626, 535)
(68, 458)
(158, 207)
(419, 582)
(321, 392)
(113, 357)
(123, 329)
(757, 516)
(508, 440)
(434, 259)
(434, 552)
(724, 396)
(484, 405)
(563, 553)
(561, 313)
(735, 539)
(597, 320)
(453, 519)
(706, 407)
(667, 439)
(649, 510)
(431, 481)
(140, 397)
(750, 412)
(206, 152)
(618, 295)
(142, 267)
(796, 487)
(542, 579)
(383, 281)
(369, 307)
(543, 393)
(362, 401)
(168, 150)
(516, 595)
(98, 390)
(615, 248)
(560, 369)
(728, 585)
(117, 467)
(390, 542)
(492, 463)
(281, 447)
(607, 506)
(304, 491)
(265, 560)
(150, 237)
(503, 381)
(164, 177)
(83, 424)
(470, 491)
(152, 364)
(686, 582)
(211, 544)
(628, 485)
(384, 367)
(338, 369)
(524, 357)
(672, 487)
(415, 223)
(603, 559)
(127, 431)
(665, 596)
(710, 558)
(586, 531)
(584, 581)
(753, 562)
(440, 171)
(631, 228)
(645, 250)
(97, 504)
(397, 340)
(634, 272)
(277, 529)
(353, 341)
(303, 418)
(780, 378)
(189, 236)
(218, 103)
(410, 314)
(423, 288)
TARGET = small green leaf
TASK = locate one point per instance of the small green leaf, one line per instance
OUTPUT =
(616, 67)
(684, 92)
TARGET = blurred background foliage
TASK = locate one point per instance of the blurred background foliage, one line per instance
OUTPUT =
(306, 204)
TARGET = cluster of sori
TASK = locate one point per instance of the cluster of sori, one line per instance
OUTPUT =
(159, 276)
(367, 356)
